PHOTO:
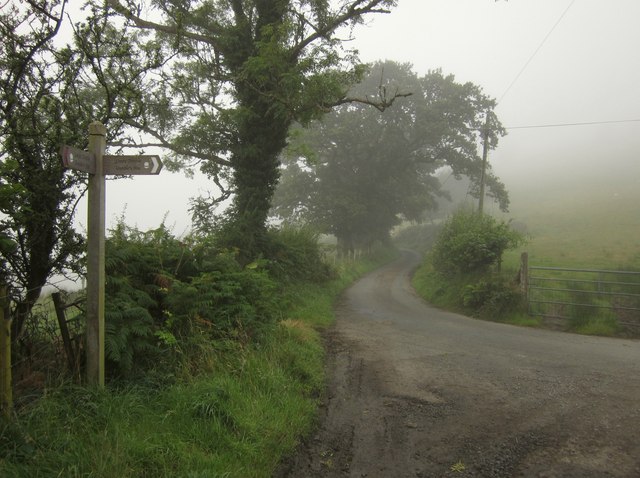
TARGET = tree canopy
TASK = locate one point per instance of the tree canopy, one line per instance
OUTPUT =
(242, 72)
(49, 93)
(358, 172)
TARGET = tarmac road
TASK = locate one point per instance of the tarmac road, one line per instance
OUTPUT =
(414, 391)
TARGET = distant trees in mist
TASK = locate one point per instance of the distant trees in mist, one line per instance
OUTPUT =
(358, 172)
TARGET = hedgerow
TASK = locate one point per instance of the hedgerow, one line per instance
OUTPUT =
(164, 294)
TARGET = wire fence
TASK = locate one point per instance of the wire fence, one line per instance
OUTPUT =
(578, 295)
(49, 347)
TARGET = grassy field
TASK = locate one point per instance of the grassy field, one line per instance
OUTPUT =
(588, 227)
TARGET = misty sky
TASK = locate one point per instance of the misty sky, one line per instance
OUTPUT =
(546, 62)
(586, 70)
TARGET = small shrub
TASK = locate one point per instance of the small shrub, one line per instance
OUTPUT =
(294, 253)
(470, 243)
(492, 298)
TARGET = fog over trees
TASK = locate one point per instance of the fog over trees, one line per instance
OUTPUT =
(358, 172)
(242, 72)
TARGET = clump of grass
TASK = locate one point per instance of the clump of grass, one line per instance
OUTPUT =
(603, 326)
(523, 320)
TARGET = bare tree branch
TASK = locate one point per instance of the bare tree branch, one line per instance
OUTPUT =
(380, 105)
(163, 143)
(159, 27)
(354, 11)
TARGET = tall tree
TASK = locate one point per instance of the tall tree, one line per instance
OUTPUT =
(245, 70)
(49, 93)
(361, 171)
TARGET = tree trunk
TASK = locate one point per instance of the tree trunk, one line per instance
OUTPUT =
(263, 126)
(345, 245)
(256, 173)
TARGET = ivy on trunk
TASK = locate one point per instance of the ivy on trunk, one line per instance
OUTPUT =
(243, 73)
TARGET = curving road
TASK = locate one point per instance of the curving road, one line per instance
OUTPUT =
(417, 392)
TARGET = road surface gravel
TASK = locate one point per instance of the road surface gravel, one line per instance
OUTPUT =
(414, 391)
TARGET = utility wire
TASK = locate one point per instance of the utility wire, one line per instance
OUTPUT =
(536, 51)
(586, 123)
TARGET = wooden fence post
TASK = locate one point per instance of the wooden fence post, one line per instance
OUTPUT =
(64, 331)
(6, 393)
(524, 274)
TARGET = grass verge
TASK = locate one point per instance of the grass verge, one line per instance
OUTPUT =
(487, 296)
(496, 298)
(238, 420)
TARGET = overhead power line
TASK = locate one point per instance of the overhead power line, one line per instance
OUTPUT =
(544, 40)
(586, 123)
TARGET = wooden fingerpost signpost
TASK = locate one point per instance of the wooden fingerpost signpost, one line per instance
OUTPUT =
(98, 164)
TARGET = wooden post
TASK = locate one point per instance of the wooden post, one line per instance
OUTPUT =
(64, 331)
(524, 274)
(97, 164)
(95, 258)
(485, 150)
(6, 393)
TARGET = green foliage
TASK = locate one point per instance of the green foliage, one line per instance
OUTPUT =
(358, 172)
(470, 243)
(228, 303)
(8, 192)
(49, 93)
(242, 73)
(160, 289)
(492, 297)
(294, 254)
(238, 419)
(457, 272)
(166, 296)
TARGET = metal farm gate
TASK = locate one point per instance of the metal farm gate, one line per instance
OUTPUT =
(575, 294)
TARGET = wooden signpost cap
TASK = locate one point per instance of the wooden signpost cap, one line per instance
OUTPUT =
(97, 128)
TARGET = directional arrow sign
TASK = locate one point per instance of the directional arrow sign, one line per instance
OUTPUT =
(75, 158)
(132, 165)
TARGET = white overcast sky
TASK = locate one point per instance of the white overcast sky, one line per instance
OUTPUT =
(581, 61)
(546, 62)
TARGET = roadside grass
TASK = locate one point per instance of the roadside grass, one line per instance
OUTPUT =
(434, 290)
(523, 319)
(238, 419)
(449, 293)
